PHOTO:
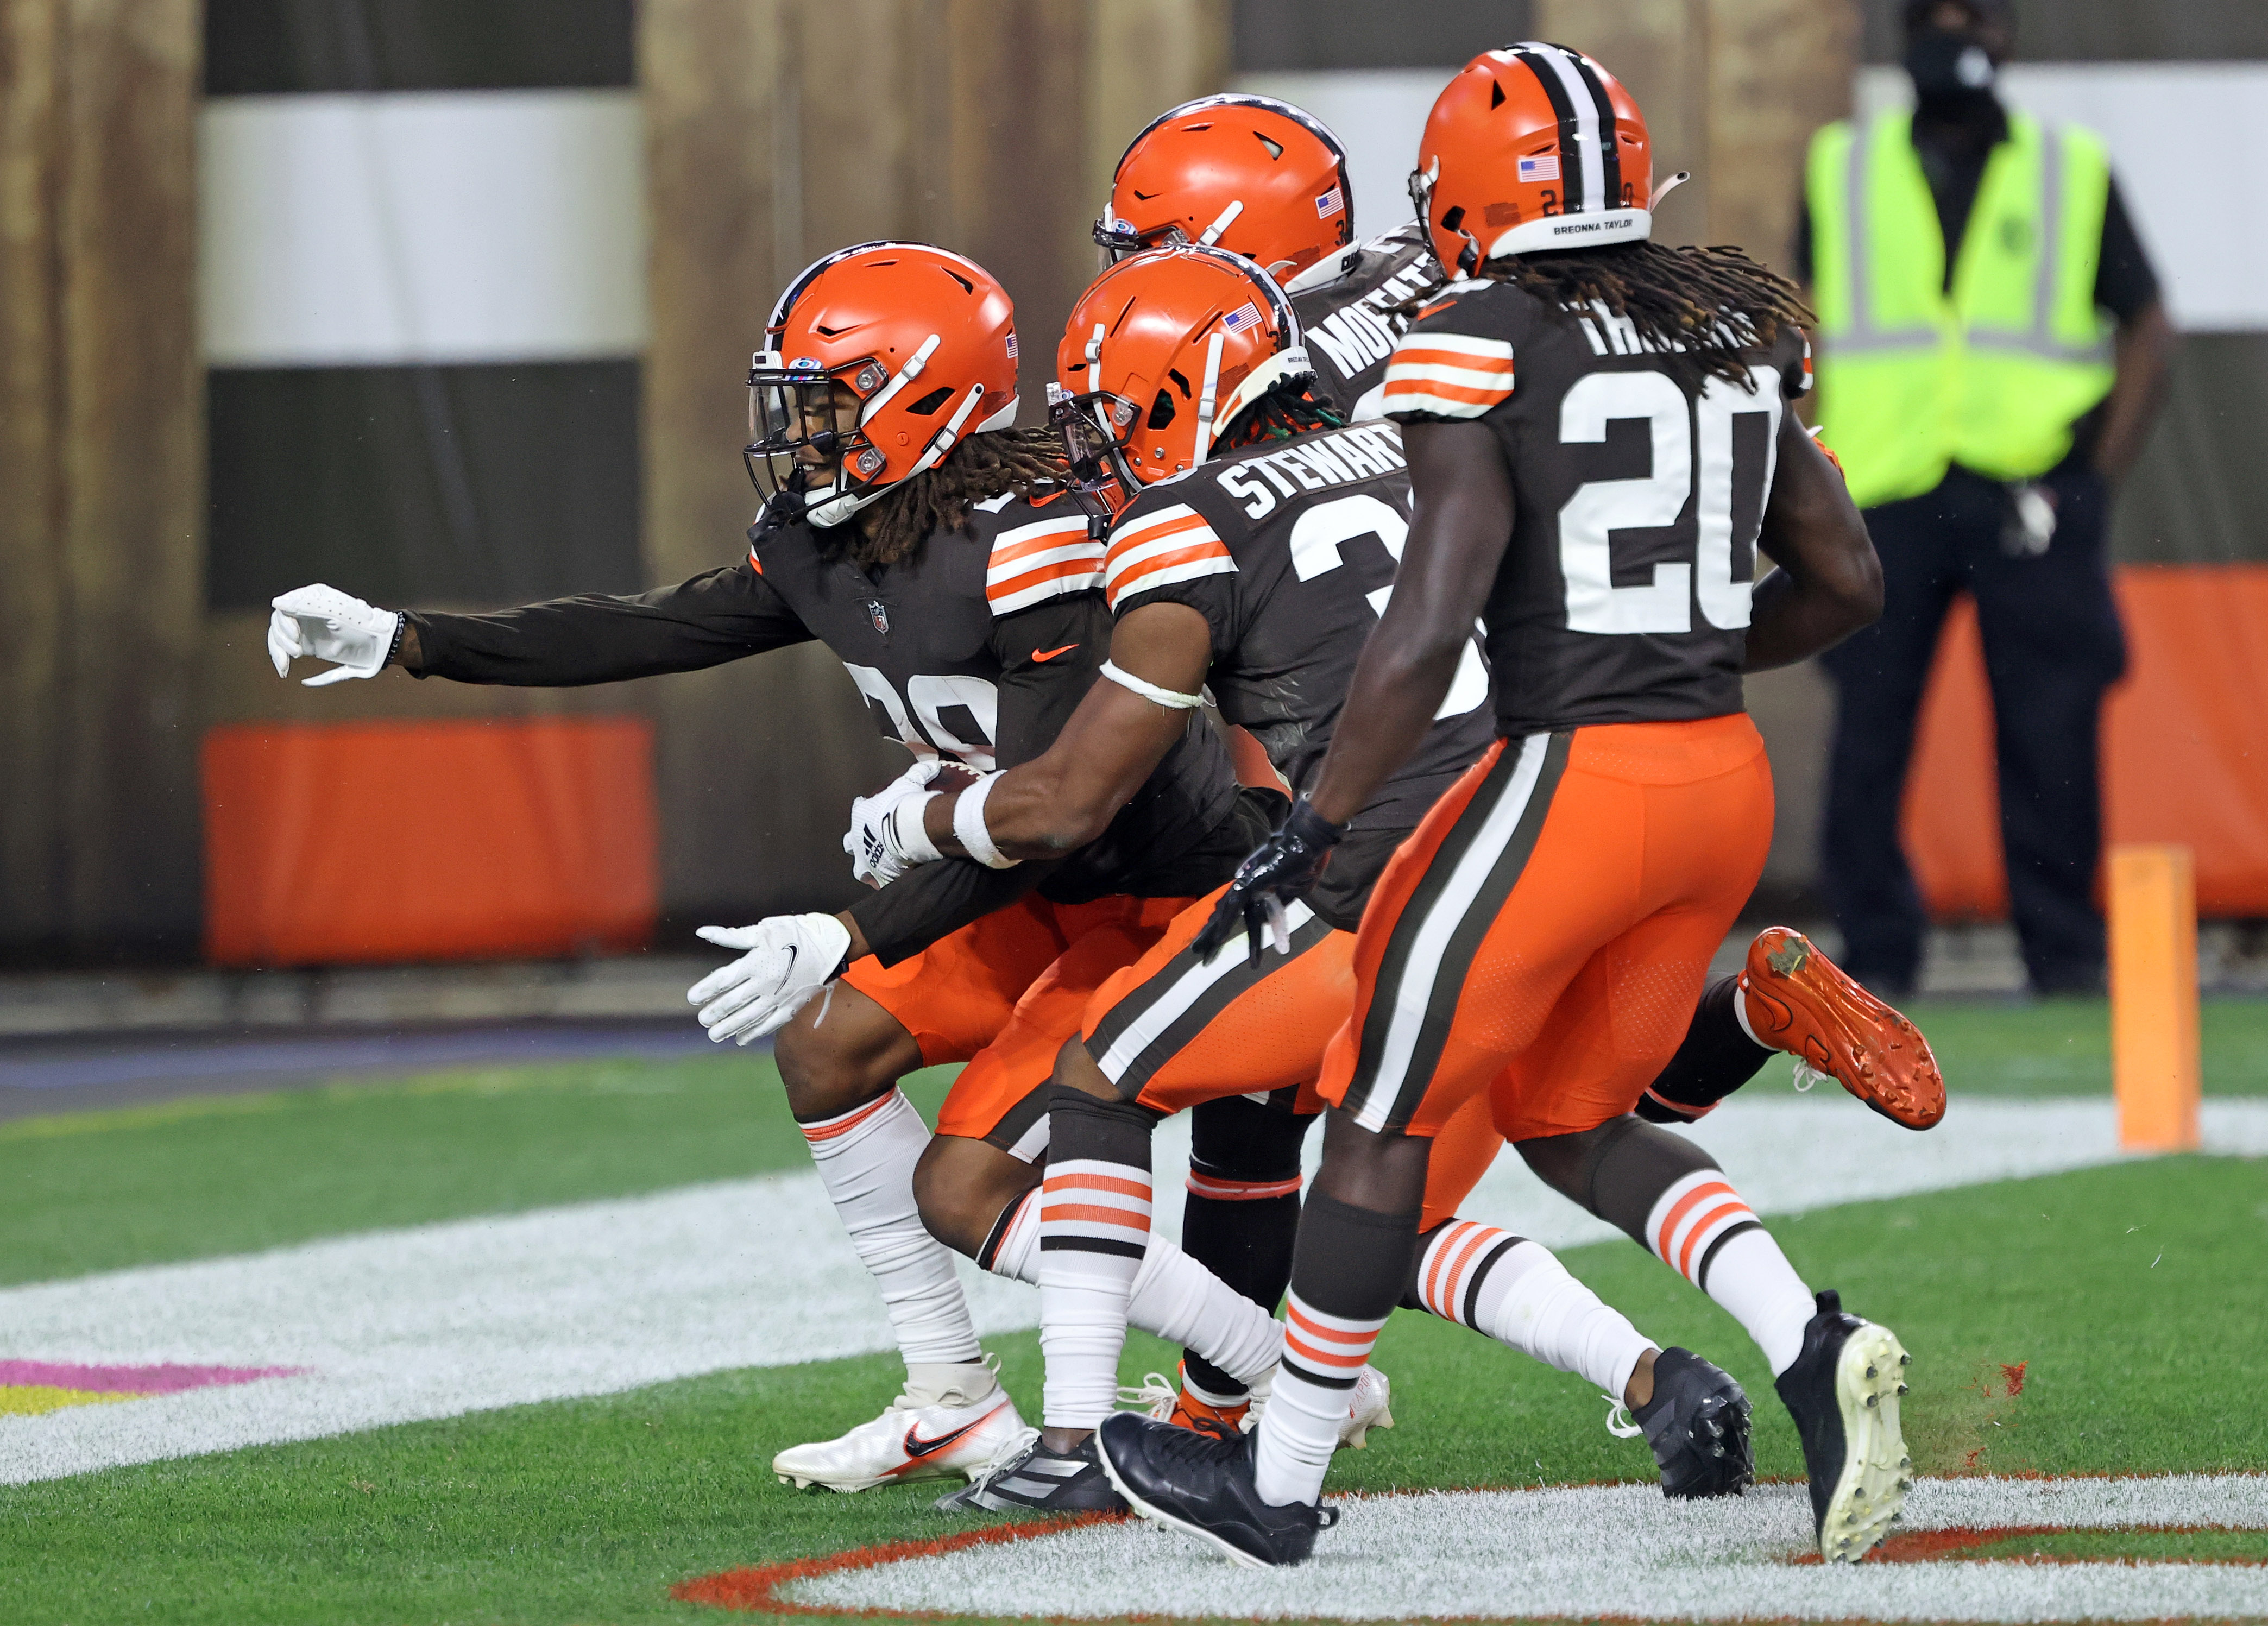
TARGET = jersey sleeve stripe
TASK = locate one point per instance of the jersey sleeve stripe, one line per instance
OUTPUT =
(1185, 565)
(1166, 549)
(1146, 528)
(1035, 563)
(1050, 582)
(1031, 538)
(1449, 375)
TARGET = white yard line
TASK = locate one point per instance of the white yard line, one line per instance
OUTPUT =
(1617, 1551)
(596, 1298)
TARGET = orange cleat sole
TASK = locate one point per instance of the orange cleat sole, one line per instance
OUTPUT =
(1803, 1002)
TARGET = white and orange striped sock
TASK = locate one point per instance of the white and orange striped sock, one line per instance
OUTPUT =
(1702, 1229)
(865, 1160)
(1095, 1231)
(1174, 1296)
(1347, 1275)
(1517, 1292)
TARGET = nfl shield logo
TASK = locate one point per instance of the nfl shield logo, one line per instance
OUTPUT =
(878, 613)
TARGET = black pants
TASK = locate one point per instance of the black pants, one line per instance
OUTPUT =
(2052, 645)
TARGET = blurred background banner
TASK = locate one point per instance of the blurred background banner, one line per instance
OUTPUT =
(448, 302)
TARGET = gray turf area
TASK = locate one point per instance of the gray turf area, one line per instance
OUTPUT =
(90, 1070)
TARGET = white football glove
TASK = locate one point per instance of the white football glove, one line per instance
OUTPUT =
(790, 958)
(885, 838)
(330, 625)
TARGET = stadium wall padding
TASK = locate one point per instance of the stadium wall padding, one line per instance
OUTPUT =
(377, 843)
(2184, 745)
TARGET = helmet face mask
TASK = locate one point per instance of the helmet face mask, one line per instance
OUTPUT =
(806, 445)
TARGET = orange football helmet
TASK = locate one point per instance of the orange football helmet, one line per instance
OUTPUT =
(1160, 354)
(1530, 147)
(877, 358)
(1249, 174)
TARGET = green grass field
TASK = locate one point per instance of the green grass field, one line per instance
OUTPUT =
(2131, 1295)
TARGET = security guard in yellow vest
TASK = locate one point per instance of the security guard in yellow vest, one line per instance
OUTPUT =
(1992, 348)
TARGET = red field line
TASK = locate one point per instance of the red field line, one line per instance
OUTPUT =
(1928, 1546)
(757, 1588)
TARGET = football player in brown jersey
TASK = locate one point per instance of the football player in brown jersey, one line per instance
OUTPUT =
(1266, 180)
(933, 548)
(1599, 443)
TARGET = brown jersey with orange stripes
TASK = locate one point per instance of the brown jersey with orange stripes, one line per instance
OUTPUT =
(1623, 597)
(1288, 550)
(977, 649)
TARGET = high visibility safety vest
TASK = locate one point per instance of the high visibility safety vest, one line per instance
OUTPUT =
(1992, 375)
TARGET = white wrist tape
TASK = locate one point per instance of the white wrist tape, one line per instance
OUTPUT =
(969, 826)
(1150, 691)
(910, 830)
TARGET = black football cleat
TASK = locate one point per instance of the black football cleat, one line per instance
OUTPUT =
(1204, 1485)
(1043, 1481)
(1698, 1424)
(1842, 1392)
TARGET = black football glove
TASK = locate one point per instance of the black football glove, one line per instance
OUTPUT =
(1280, 869)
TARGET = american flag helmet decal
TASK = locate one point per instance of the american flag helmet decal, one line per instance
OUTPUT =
(1330, 203)
(1244, 315)
(1545, 168)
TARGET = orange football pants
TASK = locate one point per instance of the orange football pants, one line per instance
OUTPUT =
(1003, 993)
(1542, 940)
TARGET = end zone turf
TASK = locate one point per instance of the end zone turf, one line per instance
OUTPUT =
(1575, 1553)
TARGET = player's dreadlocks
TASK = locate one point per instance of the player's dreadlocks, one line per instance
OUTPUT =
(1698, 304)
(1286, 411)
(1026, 462)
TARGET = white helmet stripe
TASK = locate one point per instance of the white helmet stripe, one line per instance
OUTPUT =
(1589, 119)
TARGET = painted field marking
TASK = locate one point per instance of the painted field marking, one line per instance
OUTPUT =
(1579, 1552)
(597, 1297)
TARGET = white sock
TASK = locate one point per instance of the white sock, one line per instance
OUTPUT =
(866, 1159)
(1174, 1296)
(1517, 1292)
(1702, 1229)
(1183, 1303)
(1094, 1232)
(1741, 1014)
(1300, 1428)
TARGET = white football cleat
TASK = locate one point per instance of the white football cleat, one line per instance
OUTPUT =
(1369, 1406)
(908, 1441)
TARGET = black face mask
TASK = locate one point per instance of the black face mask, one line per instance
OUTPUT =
(1951, 71)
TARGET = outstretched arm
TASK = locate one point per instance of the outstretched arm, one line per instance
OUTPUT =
(1829, 584)
(1461, 488)
(711, 619)
(1067, 795)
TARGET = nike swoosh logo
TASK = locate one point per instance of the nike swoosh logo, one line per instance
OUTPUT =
(917, 1447)
(1052, 654)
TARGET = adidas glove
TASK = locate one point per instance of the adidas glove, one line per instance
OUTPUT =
(885, 838)
(330, 625)
(790, 958)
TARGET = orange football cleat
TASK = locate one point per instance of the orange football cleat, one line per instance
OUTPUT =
(1802, 1002)
(1165, 1400)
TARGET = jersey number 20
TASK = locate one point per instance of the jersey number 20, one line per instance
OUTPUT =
(1691, 437)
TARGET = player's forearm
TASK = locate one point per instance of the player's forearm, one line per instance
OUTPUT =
(1793, 620)
(1829, 583)
(603, 638)
(1067, 795)
(1031, 812)
(2131, 407)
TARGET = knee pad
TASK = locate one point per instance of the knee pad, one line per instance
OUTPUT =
(1241, 1140)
